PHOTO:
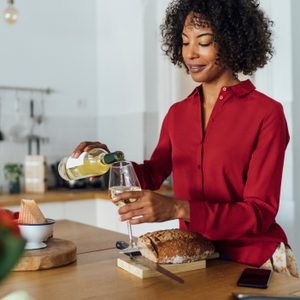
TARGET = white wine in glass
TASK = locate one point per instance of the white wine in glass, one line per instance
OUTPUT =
(115, 190)
(122, 178)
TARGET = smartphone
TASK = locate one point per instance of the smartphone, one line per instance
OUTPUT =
(256, 278)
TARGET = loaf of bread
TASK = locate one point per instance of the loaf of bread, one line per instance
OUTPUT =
(30, 213)
(174, 246)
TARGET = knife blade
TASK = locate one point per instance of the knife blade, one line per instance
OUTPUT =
(137, 256)
(263, 297)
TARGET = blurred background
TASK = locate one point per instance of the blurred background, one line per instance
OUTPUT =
(78, 70)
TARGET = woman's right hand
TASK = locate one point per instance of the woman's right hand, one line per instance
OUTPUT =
(87, 146)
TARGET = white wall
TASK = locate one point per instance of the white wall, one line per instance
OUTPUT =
(53, 45)
(276, 80)
(295, 109)
(121, 85)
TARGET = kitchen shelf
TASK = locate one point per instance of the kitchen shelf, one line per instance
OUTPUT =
(26, 89)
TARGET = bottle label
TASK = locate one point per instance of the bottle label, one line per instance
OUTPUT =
(75, 162)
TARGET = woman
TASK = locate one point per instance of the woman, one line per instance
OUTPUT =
(225, 142)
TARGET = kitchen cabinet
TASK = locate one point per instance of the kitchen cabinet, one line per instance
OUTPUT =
(50, 210)
(91, 208)
(82, 210)
(108, 218)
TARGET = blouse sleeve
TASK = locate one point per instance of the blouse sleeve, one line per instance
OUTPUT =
(256, 213)
(153, 172)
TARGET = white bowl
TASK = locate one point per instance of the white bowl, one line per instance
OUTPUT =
(36, 234)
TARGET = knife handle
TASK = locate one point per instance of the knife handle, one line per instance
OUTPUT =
(121, 245)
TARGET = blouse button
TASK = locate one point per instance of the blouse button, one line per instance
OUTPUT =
(224, 89)
(221, 97)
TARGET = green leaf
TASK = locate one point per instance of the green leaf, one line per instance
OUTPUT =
(11, 249)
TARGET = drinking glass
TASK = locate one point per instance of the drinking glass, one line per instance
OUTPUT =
(122, 177)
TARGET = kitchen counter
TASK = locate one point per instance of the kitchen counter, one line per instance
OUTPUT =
(91, 207)
(57, 195)
(60, 195)
(96, 276)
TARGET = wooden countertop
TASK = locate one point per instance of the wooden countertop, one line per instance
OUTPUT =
(60, 195)
(53, 196)
(96, 276)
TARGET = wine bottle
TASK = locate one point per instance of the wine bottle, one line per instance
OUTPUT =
(92, 163)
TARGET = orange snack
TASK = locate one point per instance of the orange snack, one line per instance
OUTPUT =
(30, 213)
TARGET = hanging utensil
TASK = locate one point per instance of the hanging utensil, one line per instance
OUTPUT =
(36, 118)
(19, 131)
(40, 117)
(31, 109)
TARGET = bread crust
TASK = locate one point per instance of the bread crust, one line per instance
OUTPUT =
(175, 246)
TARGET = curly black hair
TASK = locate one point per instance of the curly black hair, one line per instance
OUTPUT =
(240, 28)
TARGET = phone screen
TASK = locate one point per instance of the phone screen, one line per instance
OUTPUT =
(257, 278)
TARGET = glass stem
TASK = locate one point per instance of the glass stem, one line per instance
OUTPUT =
(130, 234)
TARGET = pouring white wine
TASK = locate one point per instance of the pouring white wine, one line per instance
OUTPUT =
(122, 177)
(93, 163)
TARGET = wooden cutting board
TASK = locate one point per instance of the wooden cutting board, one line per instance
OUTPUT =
(142, 271)
(58, 253)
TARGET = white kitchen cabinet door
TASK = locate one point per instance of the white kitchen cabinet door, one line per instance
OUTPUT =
(107, 215)
(53, 210)
(108, 218)
(83, 211)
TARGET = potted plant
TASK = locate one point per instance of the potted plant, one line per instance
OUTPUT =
(13, 173)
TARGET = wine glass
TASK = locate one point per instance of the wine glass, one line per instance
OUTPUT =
(122, 177)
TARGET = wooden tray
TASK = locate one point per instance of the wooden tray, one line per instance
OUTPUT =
(58, 253)
(143, 272)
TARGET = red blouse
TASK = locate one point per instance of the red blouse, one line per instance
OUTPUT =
(231, 174)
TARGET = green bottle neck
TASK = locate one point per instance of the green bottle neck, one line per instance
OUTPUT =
(110, 158)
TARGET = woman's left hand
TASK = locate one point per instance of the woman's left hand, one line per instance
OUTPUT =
(152, 207)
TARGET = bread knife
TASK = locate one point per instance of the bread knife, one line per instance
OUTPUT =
(137, 256)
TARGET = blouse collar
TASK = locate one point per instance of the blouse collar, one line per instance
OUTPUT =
(240, 90)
